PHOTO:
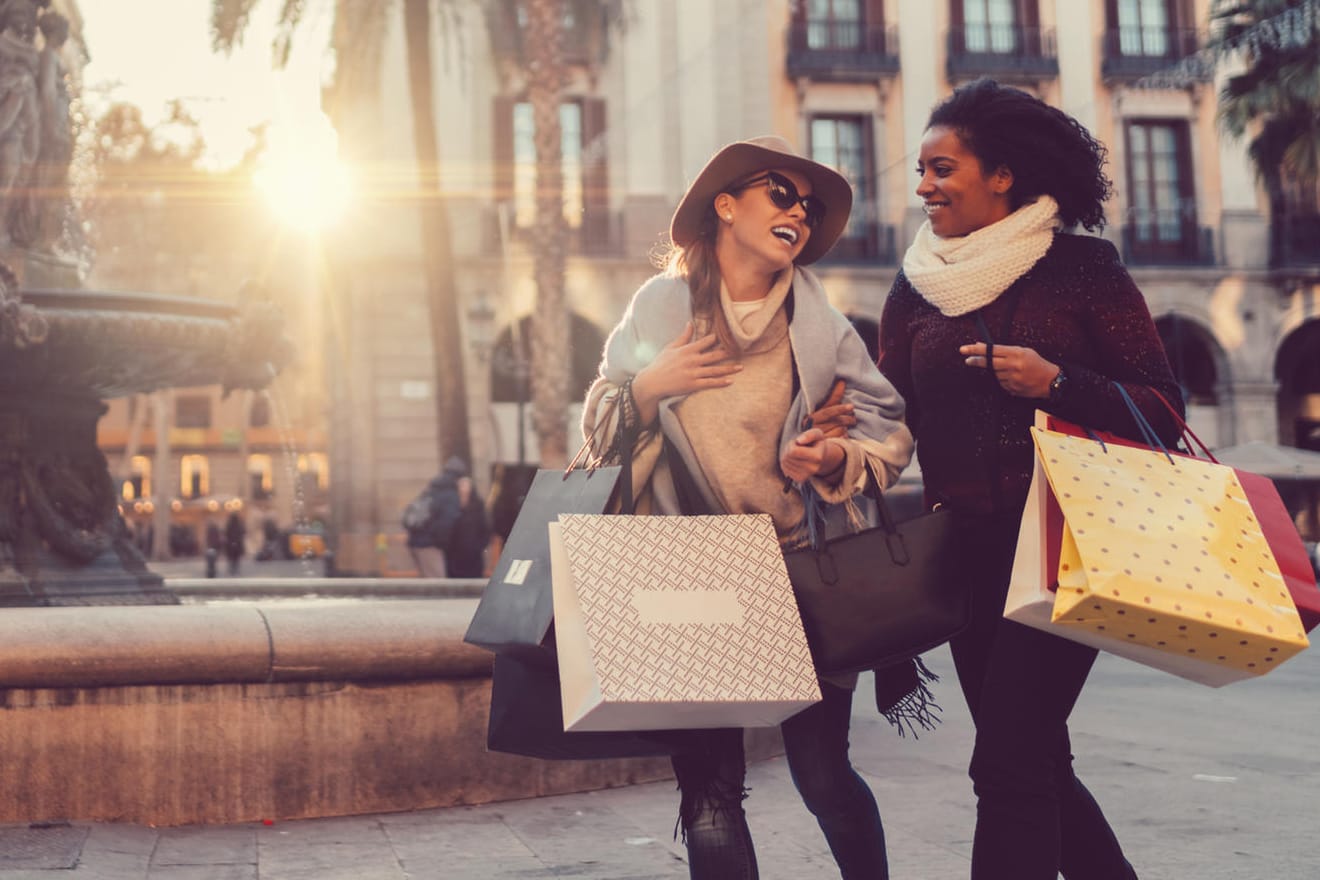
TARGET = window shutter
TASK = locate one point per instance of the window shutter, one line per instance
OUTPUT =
(873, 26)
(875, 14)
(1028, 14)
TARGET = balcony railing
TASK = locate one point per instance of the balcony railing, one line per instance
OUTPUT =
(841, 50)
(1004, 51)
(1152, 244)
(599, 235)
(864, 243)
(1134, 52)
(1295, 240)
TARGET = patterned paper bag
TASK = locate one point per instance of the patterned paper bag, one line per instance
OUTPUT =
(1163, 560)
(676, 622)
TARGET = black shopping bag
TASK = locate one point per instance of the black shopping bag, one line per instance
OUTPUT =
(517, 606)
(526, 718)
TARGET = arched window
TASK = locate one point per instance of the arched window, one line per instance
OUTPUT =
(1191, 351)
(1298, 370)
(510, 362)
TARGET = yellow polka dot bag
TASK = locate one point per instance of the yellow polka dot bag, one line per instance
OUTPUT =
(1162, 561)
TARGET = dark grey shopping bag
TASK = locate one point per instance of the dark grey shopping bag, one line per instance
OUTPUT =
(517, 606)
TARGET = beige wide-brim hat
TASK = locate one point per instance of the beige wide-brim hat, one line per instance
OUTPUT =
(742, 159)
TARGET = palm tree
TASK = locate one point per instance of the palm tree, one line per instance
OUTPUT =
(358, 40)
(544, 50)
(541, 57)
(1276, 98)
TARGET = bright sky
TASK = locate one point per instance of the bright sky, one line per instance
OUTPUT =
(150, 51)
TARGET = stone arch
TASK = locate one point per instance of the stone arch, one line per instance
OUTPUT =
(511, 392)
(1203, 371)
(1198, 361)
(511, 359)
(1297, 370)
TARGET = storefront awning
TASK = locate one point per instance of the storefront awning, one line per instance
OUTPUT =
(1271, 460)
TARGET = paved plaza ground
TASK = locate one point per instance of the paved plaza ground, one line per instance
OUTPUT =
(1201, 784)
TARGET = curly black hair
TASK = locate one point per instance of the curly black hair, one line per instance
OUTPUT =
(1047, 150)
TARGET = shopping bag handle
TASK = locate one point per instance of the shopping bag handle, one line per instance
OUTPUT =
(1187, 432)
(898, 550)
(1147, 431)
(624, 438)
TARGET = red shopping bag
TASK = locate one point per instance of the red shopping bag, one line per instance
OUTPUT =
(1280, 533)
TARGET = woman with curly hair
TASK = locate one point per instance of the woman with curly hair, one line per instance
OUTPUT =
(998, 312)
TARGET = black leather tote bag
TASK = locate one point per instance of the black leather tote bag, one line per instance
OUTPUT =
(883, 595)
(526, 718)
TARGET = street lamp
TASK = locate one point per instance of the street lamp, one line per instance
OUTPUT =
(481, 326)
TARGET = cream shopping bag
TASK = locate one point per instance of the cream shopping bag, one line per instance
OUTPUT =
(676, 622)
(1162, 560)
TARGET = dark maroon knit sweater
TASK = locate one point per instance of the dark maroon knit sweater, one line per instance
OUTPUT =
(1077, 307)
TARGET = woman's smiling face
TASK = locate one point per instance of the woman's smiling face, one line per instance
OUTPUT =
(960, 197)
(760, 228)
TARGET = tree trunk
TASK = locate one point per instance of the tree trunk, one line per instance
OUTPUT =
(437, 249)
(543, 45)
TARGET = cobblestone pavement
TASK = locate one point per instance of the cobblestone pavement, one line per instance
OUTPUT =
(1200, 783)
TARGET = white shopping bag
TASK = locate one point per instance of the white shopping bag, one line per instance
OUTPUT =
(676, 622)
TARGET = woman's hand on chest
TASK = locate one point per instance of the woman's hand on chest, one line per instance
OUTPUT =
(683, 366)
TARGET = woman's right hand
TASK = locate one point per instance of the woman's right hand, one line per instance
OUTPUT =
(683, 366)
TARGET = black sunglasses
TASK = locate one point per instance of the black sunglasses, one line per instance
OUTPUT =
(785, 195)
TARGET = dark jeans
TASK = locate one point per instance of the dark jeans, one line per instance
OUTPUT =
(1034, 817)
(711, 772)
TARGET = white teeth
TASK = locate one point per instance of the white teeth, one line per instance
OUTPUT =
(787, 233)
(928, 207)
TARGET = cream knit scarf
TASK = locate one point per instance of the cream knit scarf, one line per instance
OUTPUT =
(960, 275)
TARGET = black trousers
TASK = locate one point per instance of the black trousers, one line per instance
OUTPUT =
(1034, 817)
(710, 771)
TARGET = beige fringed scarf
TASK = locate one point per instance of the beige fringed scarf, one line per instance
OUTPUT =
(960, 275)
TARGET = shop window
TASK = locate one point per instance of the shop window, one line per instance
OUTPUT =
(261, 476)
(194, 476)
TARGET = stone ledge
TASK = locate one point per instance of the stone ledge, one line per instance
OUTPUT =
(83, 647)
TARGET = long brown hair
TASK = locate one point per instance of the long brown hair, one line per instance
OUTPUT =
(695, 263)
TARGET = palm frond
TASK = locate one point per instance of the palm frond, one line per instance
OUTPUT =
(290, 16)
(229, 21)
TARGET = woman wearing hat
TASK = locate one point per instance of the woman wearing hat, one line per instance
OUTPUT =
(716, 369)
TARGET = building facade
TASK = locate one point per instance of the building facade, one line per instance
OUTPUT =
(849, 82)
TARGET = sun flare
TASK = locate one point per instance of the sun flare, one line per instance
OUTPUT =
(301, 177)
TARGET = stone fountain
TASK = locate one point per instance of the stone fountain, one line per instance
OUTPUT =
(63, 350)
(62, 539)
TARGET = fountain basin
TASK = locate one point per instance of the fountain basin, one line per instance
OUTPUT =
(110, 344)
(239, 712)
